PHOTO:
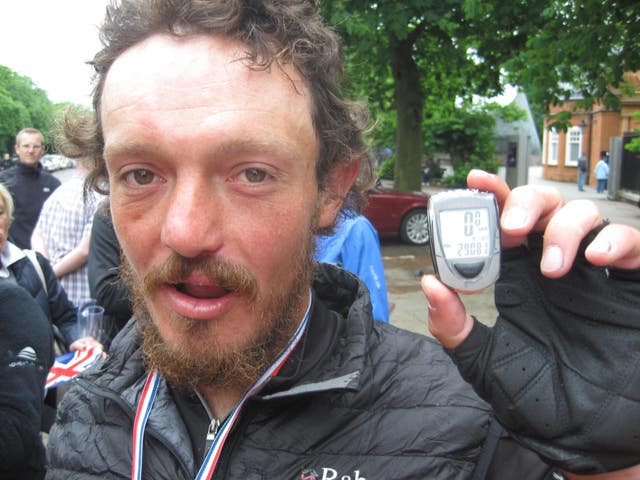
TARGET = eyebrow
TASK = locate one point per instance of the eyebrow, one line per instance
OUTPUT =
(228, 148)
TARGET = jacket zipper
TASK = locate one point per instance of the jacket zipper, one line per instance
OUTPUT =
(212, 432)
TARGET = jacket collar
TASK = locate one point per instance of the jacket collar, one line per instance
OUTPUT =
(28, 169)
(331, 356)
(10, 255)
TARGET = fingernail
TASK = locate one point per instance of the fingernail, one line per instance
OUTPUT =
(514, 218)
(430, 307)
(552, 259)
(600, 246)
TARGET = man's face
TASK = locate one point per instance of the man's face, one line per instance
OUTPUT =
(30, 148)
(213, 191)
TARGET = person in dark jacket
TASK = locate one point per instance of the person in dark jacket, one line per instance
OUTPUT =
(34, 274)
(30, 185)
(105, 283)
(26, 354)
(227, 145)
(38, 280)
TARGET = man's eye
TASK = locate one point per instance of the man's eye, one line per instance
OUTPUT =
(142, 177)
(255, 175)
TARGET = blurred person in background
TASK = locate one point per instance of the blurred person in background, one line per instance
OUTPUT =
(63, 232)
(34, 274)
(355, 246)
(6, 162)
(602, 172)
(105, 283)
(30, 185)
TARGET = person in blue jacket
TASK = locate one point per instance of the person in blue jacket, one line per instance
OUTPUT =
(355, 246)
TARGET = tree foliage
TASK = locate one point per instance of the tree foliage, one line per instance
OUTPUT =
(22, 105)
(634, 144)
(401, 57)
(419, 60)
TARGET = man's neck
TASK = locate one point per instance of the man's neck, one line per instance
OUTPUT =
(221, 401)
(33, 166)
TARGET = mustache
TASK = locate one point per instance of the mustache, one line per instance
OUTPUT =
(229, 276)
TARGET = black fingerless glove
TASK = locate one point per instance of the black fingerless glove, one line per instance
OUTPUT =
(561, 367)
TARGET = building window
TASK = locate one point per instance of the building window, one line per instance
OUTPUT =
(552, 155)
(574, 146)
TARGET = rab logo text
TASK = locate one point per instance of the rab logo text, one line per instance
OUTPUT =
(329, 474)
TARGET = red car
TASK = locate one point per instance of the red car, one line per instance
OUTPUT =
(398, 214)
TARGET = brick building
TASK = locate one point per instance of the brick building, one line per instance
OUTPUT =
(590, 134)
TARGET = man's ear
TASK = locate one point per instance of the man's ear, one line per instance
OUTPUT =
(337, 186)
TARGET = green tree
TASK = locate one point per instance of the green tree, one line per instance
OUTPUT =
(417, 58)
(22, 105)
(467, 135)
(634, 144)
(582, 46)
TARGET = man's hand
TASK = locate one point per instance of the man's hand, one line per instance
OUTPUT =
(534, 209)
(561, 367)
(85, 343)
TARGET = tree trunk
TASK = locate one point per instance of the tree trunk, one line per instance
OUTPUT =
(409, 105)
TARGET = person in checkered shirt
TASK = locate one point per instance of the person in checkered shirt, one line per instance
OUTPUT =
(63, 231)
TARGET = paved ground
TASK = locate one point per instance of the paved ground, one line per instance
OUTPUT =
(402, 262)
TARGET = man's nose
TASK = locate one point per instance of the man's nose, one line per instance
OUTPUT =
(193, 223)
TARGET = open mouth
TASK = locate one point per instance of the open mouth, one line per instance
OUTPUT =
(201, 291)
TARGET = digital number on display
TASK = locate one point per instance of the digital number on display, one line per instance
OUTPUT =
(465, 233)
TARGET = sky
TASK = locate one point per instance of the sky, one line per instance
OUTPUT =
(50, 41)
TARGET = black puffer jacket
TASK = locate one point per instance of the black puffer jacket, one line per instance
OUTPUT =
(358, 399)
(26, 354)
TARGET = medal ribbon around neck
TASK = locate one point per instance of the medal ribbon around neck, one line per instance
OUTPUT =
(150, 390)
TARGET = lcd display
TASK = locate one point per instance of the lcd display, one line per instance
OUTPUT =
(465, 233)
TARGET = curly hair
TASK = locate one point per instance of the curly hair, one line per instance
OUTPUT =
(275, 32)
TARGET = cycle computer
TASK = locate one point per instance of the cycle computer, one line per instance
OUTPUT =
(464, 234)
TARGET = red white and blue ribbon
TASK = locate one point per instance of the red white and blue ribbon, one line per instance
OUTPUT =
(145, 404)
(69, 365)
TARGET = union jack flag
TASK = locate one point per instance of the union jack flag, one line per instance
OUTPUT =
(68, 365)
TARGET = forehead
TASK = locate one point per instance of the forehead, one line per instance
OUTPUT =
(200, 80)
(29, 137)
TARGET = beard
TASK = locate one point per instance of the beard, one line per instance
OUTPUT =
(206, 361)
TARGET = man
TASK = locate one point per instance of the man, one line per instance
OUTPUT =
(583, 167)
(29, 185)
(227, 145)
(63, 232)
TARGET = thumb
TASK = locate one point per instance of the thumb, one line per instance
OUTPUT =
(448, 319)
